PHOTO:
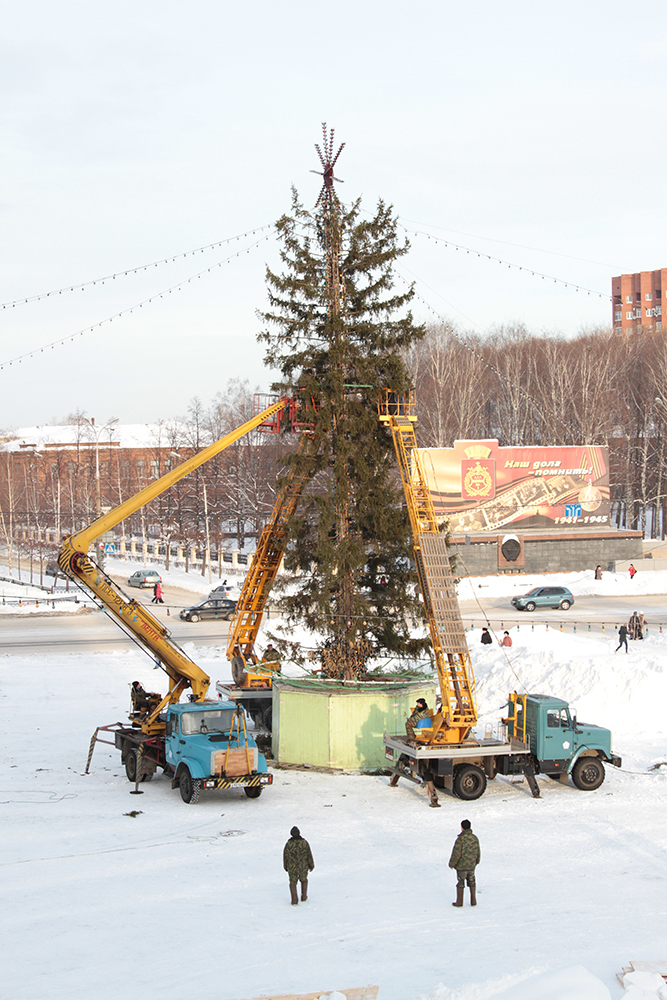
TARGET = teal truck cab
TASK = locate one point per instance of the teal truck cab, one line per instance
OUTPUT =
(204, 745)
(560, 745)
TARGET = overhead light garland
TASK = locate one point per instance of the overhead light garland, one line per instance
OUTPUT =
(132, 270)
(124, 312)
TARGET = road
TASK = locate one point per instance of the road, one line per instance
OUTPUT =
(94, 631)
(593, 610)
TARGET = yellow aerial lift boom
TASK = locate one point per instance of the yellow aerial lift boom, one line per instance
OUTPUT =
(448, 753)
(450, 649)
(130, 615)
(261, 575)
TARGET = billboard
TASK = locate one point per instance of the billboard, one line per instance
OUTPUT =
(478, 486)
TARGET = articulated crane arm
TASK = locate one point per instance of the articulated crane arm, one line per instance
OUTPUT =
(450, 649)
(261, 575)
(130, 615)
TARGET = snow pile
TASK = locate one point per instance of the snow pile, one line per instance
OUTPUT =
(644, 986)
(582, 584)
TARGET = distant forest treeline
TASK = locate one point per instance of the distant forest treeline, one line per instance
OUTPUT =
(530, 389)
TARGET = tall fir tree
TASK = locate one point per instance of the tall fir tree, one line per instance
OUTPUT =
(335, 330)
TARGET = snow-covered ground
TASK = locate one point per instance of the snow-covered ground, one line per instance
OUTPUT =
(192, 900)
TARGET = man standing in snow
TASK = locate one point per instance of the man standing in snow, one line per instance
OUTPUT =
(466, 855)
(486, 637)
(297, 862)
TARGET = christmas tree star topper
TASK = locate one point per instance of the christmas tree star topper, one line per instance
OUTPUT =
(328, 161)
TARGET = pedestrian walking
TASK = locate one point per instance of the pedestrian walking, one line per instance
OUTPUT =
(631, 571)
(622, 638)
(466, 855)
(598, 572)
(158, 593)
(297, 862)
(507, 639)
(486, 637)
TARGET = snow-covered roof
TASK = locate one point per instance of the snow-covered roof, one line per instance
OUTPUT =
(53, 436)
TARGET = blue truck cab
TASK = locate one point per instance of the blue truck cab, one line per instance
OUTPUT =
(206, 746)
(559, 743)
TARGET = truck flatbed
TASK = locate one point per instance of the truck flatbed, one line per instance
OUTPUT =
(453, 751)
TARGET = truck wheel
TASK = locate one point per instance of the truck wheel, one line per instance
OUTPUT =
(253, 793)
(267, 717)
(530, 606)
(565, 605)
(469, 782)
(190, 787)
(131, 768)
(588, 773)
(238, 672)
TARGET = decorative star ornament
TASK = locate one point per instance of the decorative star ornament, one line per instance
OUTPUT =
(328, 161)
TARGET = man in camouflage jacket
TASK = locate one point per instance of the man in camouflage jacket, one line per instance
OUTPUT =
(466, 855)
(297, 862)
(420, 711)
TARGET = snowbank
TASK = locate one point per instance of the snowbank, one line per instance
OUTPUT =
(582, 584)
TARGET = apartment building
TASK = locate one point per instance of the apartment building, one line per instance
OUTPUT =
(637, 301)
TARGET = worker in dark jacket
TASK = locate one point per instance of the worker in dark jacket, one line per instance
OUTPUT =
(419, 712)
(466, 855)
(486, 637)
(622, 638)
(297, 862)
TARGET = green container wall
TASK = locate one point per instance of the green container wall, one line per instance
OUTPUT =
(341, 725)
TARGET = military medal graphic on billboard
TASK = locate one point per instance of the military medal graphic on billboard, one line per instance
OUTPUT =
(479, 486)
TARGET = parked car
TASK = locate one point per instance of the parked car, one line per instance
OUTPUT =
(52, 569)
(221, 608)
(144, 578)
(221, 591)
(544, 597)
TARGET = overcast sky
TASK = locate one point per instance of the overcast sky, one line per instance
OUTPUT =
(133, 131)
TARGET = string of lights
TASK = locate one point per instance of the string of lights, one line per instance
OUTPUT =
(507, 263)
(520, 246)
(132, 270)
(124, 312)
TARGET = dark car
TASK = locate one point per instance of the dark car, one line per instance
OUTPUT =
(144, 578)
(544, 597)
(218, 608)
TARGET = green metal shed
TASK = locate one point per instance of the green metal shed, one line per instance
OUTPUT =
(340, 723)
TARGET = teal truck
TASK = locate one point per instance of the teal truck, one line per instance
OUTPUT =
(539, 735)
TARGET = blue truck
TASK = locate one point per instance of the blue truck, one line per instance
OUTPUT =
(198, 743)
(539, 735)
(205, 745)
